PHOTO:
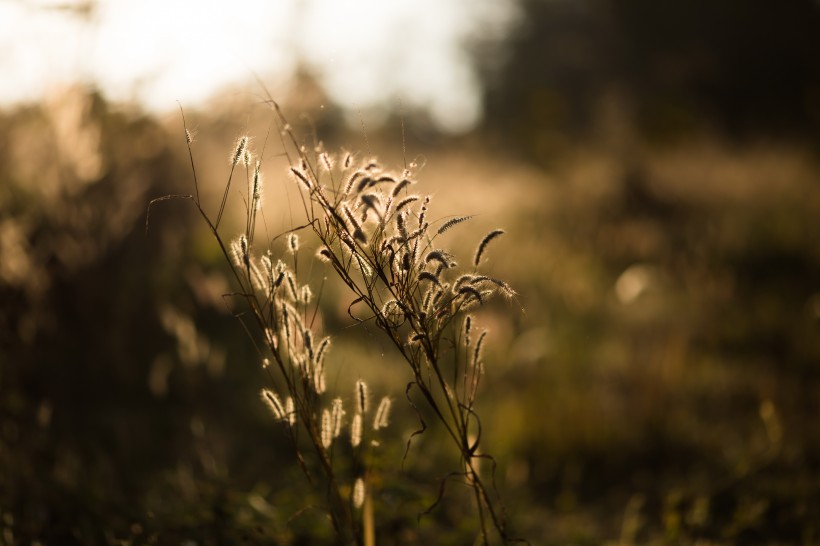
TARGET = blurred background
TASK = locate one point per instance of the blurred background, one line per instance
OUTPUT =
(656, 167)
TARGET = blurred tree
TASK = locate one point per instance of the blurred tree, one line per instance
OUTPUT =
(739, 67)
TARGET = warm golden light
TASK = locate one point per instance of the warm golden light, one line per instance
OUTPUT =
(369, 55)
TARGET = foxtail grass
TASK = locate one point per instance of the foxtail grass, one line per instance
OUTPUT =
(378, 239)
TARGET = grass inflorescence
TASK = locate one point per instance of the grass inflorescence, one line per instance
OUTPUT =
(376, 237)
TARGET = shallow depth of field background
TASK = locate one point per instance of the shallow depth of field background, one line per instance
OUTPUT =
(655, 166)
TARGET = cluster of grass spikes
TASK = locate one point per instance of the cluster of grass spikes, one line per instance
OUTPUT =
(375, 233)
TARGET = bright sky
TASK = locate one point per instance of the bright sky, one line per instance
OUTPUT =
(368, 54)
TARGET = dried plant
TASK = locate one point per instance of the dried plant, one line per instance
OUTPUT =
(380, 241)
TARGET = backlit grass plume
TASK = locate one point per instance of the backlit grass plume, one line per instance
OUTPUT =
(382, 243)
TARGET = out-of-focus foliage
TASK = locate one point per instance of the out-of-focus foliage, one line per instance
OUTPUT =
(110, 387)
(675, 68)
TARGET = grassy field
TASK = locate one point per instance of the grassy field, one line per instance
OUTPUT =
(654, 381)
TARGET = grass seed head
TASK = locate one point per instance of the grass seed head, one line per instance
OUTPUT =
(305, 295)
(239, 149)
(302, 177)
(356, 430)
(273, 402)
(321, 349)
(352, 180)
(326, 161)
(427, 276)
(470, 292)
(361, 397)
(319, 383)
(358, 493)
(478, 347)
(336, 415)
(363, 184)
(452, 222)
(406, 201)
(483, 244)
(290, 411)
(382, 418)
(293, 243)
(401, 185)
(327, 429)
(256, 198)
(324, 255)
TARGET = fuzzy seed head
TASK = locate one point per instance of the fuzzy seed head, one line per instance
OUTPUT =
(478, 346)
(267, 266)
(354, 224)
(239, 252)
(401, 225)
(239, 149)
(293, 243)
(301, 177)
(400, 186)
(256, 198)
(321, 350)
(319, 379)
(358, 493)
(382, 418)
(324, 255)
(305, 295)
(279, 278)
(291, 286)
(483, 244)
(356, 430)
(452, 222)
(363, 184)
(290, 410)
(307, 339)
(427, 276)
(371, 201)
(326, 161)
(286, 322)
(406, 201)
(392, 313)
(274, 404)
(352, 180)
(361, 397)
(327, 429)
(336, 415)
(438, 256)
(470, 292)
